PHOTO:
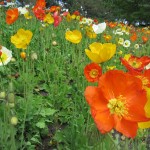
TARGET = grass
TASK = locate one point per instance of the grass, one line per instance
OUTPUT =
(49, 91)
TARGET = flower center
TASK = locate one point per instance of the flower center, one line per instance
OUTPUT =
(3, 57)
(135, 64)
(118, 106)
(144, 80)
(93, 73)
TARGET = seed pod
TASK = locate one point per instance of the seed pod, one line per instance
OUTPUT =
(11, 97)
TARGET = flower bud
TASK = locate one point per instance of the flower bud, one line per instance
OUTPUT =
(11, 105)
(11, 97)
(34, 56)
(2, 95)
(54, 43)
(23, 55)
(11, 87)
(14, 120)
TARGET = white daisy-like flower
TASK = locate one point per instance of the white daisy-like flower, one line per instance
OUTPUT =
(121, 41)
(136, 46)
(5, 55)
(126, 43)
(89, 21)
(84, 20)
(99, 28)
(22, 10)
(118, 31)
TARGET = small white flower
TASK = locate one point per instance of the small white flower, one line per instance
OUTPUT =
(126, 43)
(136, 46)
(118, 31)
(99, 28)
(89, 21)
(22, 10)
(5, 56)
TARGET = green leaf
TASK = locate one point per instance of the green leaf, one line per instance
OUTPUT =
(40, 124)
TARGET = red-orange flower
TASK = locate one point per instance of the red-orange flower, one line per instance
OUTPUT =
(39, 13)
(144, 77)
(92, 72)
(41, 3)
(133, 37)
(54, 8)
(118, 102)
(12, 15)
(77, 13)
(145, 39)
(133, 63)
(112, 24)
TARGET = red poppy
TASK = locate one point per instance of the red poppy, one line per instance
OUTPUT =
(57, 19)
(39, 13)
(133, 63)
(12, 15)
(92, 72)
(133, 37)
(118, 102)
(77, 13)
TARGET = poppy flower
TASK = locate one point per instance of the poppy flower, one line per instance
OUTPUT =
(133, 63)
(133, 37)
(117, 102)
(112, 24)
(54, 8)
(77, 13)
(12, 15)
(57, 18)
(40, 3)
(101, 52)
(145, 39)
(144, 125)
(22, 38)
(92, 72)
(48, 18)
(5, 55)
(39, 13)
(99, 28)
(107, 37)
(74, 36)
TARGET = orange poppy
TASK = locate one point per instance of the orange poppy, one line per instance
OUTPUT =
(145, 39)
(54, 8)
(77, 13)
(117, 102)
(144, 77)
(92, 72)
(133, 37)
(40, 3)
(112, 24)
(133, 63)
(12, 15)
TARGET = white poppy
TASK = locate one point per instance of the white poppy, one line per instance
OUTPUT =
(5, 56)
(22, 10)
(99, 28)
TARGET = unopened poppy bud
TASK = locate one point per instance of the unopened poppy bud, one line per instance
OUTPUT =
(11, 87)
(54, 43)
(2, 95)
(11, 97)
(34, 56)
(13, 59)
(14, 120)
(23, 55)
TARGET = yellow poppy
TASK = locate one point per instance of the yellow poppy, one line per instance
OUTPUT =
(22, 38)
(100, 52)
(144, 125)
(74, 36)
(49, 19)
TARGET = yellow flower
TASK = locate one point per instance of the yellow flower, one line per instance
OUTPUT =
(100, 52)
(73, 16)
(49, 19)
(144, 125)
(74, 36)
(27, 16)
(90, 33)
(22, 38)
(68, 17)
